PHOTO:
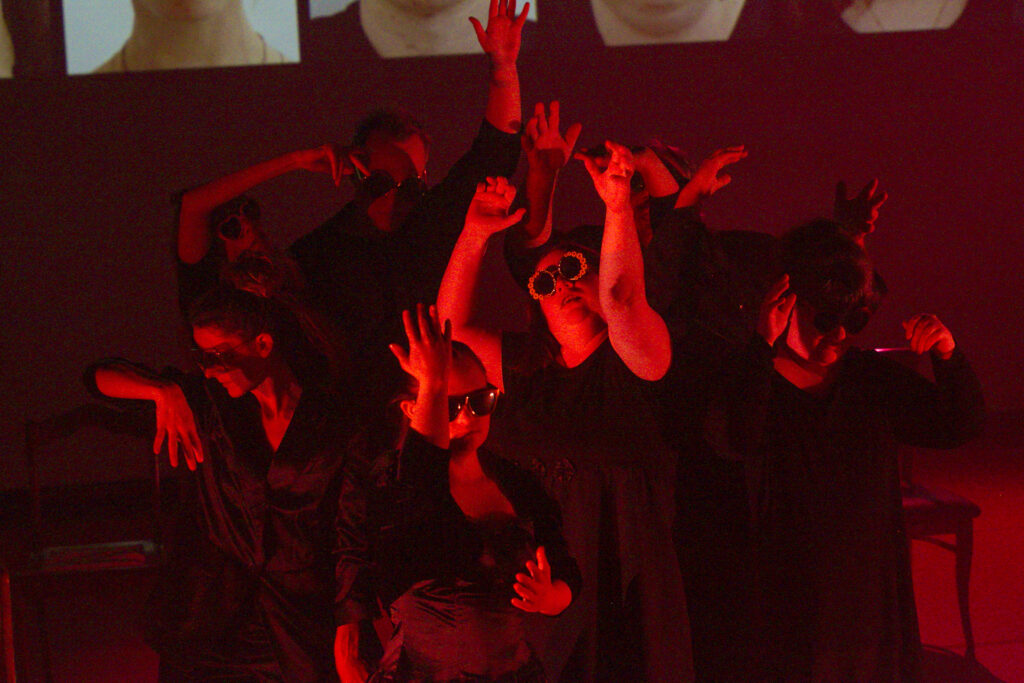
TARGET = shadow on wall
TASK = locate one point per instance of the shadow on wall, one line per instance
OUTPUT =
(944, 666)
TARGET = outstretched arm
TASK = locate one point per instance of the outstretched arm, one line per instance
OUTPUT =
(174, 419)
(429, 360)
(501, 41)
(547, 151)
(198, 203)
(488, 214)
(708, 178)
(637, 333)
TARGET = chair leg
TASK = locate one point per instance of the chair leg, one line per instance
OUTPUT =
(964, 552)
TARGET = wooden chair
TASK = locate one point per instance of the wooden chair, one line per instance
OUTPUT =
(47, 440)
(932, 514)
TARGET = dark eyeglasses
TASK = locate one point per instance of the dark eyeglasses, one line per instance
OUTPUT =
(480, 402)
(230, 227)
(852, 321)
(206, 358)
(380, 182)
(571, 267)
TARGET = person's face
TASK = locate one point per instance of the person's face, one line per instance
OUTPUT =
(402, 160)
(657, 17)
(426, 8)
(183, 10)
(575, 302)
(812, 345)
(467, 431)
(239, 363)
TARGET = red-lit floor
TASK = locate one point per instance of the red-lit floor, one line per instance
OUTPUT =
(93, 634)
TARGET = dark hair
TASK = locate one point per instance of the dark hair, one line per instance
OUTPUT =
(309, 344)
(827, 269)
(396, 125)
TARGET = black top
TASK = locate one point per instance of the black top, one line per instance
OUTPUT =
(597, 413)
(447, 579)
(278, 527)
(835, 554)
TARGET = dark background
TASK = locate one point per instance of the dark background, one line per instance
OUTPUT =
(90, 164)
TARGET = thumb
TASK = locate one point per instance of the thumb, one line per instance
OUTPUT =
(572, 135)
(481, 34)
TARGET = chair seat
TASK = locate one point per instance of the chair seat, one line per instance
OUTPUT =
(934, 510)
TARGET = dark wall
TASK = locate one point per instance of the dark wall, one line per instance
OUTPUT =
(90, 163)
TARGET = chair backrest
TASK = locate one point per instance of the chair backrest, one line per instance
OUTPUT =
(907, 357)
(77, 440)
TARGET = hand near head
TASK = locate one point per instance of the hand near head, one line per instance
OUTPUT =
(429, 357)
(488, 210)
(537, 592)
(776, 308)
(174, 420)
(858, 214)
(330, 159)
(502, 37)
(927, 333)
(708, 178)
(612, 181)
(545, 146)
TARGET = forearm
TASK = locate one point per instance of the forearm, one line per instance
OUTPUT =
(197, 204)
(540, 192)
(346, 655)
(636, 331)
(461, 281)
(504, 108)
(120, 379)
(430, 414)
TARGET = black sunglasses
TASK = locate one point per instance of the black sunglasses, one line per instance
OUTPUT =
(207, 358)
(852, 321)
(380, 182)
(230, 227)
(571, 267)
(480, 402)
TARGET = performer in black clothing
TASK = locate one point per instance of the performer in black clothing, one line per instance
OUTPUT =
(387, 249)
(467, 543)
(263, 573)
(834, 553)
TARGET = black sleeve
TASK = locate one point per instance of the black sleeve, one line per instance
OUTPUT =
(679, 250)
(943, 414)
(355, 576)
(423, 466)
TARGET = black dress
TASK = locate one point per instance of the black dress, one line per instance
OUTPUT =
(835, 555)
(447, 580)
(263, 566)
(591, 434)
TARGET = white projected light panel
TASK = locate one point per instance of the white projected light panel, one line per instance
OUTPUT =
(255, 32)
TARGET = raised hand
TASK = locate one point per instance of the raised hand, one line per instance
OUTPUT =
(776, 309)
(429, 357)
(502, 37)
(488, 210)
(537, 592)
(859, 213)
(927, 333)
(331, 159)
(708, 178)
(545, 146)
(612, 181)
(176, 423)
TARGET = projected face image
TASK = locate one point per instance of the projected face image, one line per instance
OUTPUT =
(116, 36)
(182, 10)
(6, 51)
(888, 16)
(641, 22)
